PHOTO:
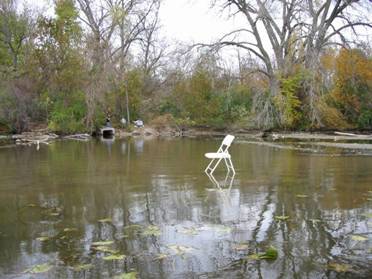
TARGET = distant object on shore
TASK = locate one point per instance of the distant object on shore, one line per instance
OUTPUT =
(107, 132)
(138, 123)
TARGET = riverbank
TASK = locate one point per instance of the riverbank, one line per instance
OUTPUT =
(305, 141)
(45, 135)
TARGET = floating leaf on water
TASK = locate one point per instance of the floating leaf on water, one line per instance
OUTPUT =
(102, 243)
(130, 275)
(359, 238)
(114, 257)
(82, 267)
(105, 220)
(70, 229)
(40, 268)
(133, 227)
(368, 215)
(121, 236)
(254, 257)
(43, 238)
(54, 214)
(339, 267)
(180, 249)
(151, 230)
(31, 205)
(302, 196)
(161, 256)
(241, 247)
(270, 254)
(189, 231)
(217, 228)
(223, 229)
(104, 249)
(281, 218)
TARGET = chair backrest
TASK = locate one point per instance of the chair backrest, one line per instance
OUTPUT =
(228, 140)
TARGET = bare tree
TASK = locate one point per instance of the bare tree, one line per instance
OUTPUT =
(282, 33)
(116, 26)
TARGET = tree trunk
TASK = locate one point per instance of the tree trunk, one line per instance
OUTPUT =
(264, 106)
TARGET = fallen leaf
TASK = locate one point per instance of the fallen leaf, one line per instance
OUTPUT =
(70, 229)
(114, 257)
(339, 267)
(151, 230)
(359, 238)
(180, 249)
(368, 215)
(270, 254)
(105, 220)
(133, 227)
(189, 231)
(40, 268)
(82, 267)
(217, 228)
(281, 218)
(161, 256)
(43, 238)
(223, 229)
(54, 214)
(302, 196)
(130, 275)
(102, 243)
(104, 249)
(241, 247)
(254, 257)
(31, 205)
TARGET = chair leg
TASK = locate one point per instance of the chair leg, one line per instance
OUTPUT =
(229, 165)
(210, 167)
(232, 166)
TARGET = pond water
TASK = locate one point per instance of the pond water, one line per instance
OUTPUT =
(145, 209)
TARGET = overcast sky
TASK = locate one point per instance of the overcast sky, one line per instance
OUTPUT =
(181, 20)
(193, 20)
(186, 20)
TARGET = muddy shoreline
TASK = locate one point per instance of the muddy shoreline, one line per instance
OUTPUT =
(305, 141)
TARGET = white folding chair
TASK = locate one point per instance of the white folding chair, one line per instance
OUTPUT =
(222, 153)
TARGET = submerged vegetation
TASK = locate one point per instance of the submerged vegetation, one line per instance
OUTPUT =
(69, 71)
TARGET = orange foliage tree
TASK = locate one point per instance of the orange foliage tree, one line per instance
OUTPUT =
(352, 94)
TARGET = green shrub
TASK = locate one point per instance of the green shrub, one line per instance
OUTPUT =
(288, 103)
(365, 119)
(68, 116)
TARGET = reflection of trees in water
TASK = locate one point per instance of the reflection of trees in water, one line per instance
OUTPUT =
(307, 243)
(160, 189)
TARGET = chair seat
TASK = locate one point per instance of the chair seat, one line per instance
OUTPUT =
(219, 155)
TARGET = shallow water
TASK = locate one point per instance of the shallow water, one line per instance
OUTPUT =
(165, 218)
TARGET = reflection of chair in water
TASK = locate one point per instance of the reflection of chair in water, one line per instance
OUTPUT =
(227, 184)
(222, 153)
(224, 190)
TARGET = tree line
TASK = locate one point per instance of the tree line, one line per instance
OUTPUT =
(301, 65)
